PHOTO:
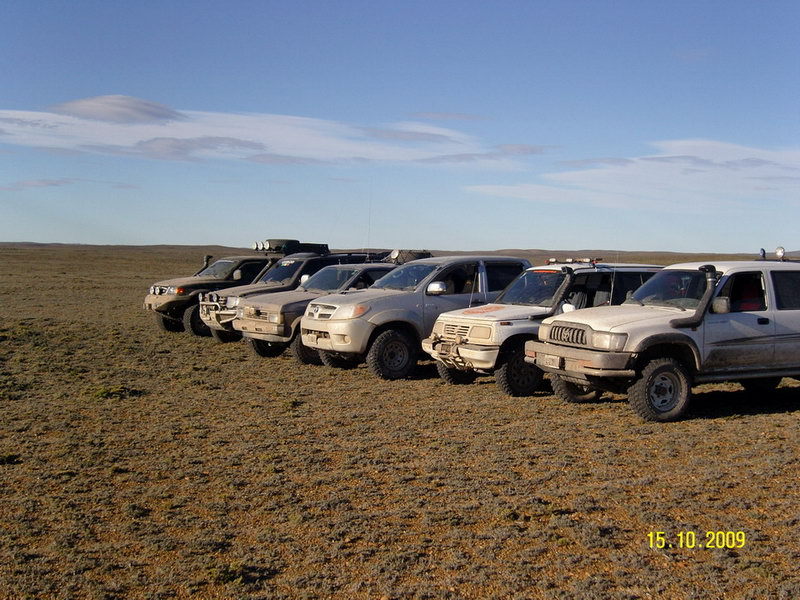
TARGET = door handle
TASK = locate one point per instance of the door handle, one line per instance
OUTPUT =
(762, 321)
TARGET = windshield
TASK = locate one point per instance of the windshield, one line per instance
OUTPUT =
(535, 288)
(406, 277)
(282, 272)
(219, 269)
(680, 289)
(329, 279)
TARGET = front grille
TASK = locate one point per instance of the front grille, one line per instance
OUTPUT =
(568, 335)
(451, 331)
(321, 311)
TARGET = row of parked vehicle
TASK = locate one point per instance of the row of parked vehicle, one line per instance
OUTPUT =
(645, 330)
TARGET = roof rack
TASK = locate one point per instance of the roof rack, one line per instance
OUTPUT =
(570, 260)
(401, 256)
(289, 247)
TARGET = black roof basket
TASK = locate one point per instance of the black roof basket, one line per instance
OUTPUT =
(284, 247)
(401, 256)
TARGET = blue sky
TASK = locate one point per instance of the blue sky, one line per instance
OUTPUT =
(451, 125)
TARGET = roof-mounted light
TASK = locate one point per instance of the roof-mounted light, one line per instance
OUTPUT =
(254, 246)
(780, 252)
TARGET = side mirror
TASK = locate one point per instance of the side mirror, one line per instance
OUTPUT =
(567, 307)
(436, 288)
(237, 274)
(304, 278)
(721, 305)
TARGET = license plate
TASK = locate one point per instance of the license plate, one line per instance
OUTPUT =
(548, 360)
(444, 348)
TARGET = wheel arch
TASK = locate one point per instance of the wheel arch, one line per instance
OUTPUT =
(676, 346)
(403, 326)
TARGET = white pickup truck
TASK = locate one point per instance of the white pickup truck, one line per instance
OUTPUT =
(691, 323)
(491, 338)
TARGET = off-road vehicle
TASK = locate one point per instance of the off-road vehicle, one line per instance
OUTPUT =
(691, 323)
(174, 302)
(385, 323)
(271, 322)
(218, 309)
(491, 338)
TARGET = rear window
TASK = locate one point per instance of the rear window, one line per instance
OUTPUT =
(499, 275)
(787, 289)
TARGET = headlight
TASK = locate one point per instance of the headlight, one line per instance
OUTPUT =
(438, 327)
(152, 289)
(232, 301)
(352, 311)
(544, 331)
(480, 332)
(605, 340)
(275, 317)
(176, 290)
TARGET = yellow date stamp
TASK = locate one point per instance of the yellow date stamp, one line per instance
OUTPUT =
(724, 540)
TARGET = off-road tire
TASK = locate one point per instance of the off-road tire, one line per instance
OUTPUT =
(662, 391)
(225, 337)
(192, 323)
(337, 361)
(167, 324)
(572, 392)
(264, 349)
(302, 353)
(762, 385)
(392, 356)
(454, 376)
(515, 377)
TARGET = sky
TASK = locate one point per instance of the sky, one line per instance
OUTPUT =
(452, 125)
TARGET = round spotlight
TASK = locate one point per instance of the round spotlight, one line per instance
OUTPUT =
(254, 246)
(780, 252)
(266, 245)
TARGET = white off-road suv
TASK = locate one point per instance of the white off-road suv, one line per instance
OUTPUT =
(689, 324)
(386, 322)
(491, 338)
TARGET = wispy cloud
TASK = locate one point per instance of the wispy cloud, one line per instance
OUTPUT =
(695, 176)
(36, 183)
(126, 126)
(446, 116)
(118, 109)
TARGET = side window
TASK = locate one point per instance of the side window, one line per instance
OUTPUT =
(250, 270)
(499, 275)
(367, 278)
(460, 279)
(787, 289)
(746, 292)
(602, 293)
(627, 282)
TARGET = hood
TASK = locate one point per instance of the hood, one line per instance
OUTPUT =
(186, 281)
(607, 318)
(361, 296)
(281, 301)
(254, 288)
(494, 312)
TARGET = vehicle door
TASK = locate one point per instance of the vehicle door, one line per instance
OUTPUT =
(367, 278)
(744, 338)
(462, 282)
(786, 292)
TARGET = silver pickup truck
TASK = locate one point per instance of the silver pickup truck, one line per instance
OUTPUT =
(386, 322)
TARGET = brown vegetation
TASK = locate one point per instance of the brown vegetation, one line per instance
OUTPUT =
(140, 464)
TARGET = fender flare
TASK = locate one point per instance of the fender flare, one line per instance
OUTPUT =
(674, 339)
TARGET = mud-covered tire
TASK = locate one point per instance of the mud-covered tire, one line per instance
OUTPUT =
(264, 349)
(302, 353)
(392, 356)
(337, 361)
(192, 323)
(572, 392)
(167, 324)
(515, 377)
(662, 391)
(225, 337)
(454, 376)
(762, 385)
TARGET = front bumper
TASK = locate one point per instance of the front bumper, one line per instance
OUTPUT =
(261, 329)
(578, 363)
(348, 336)
(217, 317)
(461, 356)
(162, 302)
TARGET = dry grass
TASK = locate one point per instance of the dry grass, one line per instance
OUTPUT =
(137, 464)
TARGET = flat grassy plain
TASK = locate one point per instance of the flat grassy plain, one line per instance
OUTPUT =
(140, 464)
